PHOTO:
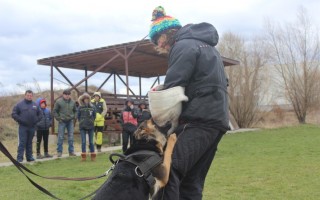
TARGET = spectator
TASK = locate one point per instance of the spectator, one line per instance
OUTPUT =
(128, 120)
(43, 128)
(86, 117)
(144, 113)
(195, 64)
(65, 112)
(101, 111)
(27, 114)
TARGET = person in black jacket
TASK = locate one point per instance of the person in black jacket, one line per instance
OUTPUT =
(86, 117)
(144, 113)
(196, 65)
(43, 128)
(27, 114)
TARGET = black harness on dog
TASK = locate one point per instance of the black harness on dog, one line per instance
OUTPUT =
(144, 160)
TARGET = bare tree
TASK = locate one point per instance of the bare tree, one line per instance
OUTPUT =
(245, 80)
(295, 48)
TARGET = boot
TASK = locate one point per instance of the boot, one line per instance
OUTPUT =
(39, 156)
(47, 155)
(83, 157)
(93, 156)
(98, 148)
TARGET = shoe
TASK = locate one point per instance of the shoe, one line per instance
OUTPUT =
(30, 160)
(20, 161)
(47, 155)
(83, 157)
(39, 156)
(93, 156)
(59, 154)
(72, 154)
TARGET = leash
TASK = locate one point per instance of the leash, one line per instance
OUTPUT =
(24, 169)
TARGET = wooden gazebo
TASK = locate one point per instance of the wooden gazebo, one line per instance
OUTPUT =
(135, 59)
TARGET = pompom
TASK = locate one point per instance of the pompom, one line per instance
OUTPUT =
(158, 12)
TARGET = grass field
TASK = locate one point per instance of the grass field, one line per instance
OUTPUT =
(268, 164)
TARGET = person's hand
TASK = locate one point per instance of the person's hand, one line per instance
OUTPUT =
(131, 106)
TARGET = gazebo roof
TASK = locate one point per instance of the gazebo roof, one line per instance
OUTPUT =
(144, 61)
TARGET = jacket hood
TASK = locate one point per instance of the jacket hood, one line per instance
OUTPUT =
(97, 93)
(82, 97)
(40, 100)
(204, 32)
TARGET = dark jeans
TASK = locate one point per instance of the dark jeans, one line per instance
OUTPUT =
(25, 142)
(126, 134)
(192, 157)
(45, 135)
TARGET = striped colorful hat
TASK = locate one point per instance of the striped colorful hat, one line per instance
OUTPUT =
(160, 23)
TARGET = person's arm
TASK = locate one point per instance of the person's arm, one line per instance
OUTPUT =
(75, 111)
(135, 113)
(121, 118)
(94, 114)
(182, 62)
(39, 114)
(56, 111)
(50, 118)
(105, 109)
(78, 114)
(16, 113)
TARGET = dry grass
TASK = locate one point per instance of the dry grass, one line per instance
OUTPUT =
(278, 119)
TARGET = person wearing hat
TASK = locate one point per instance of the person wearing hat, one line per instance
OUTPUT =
(144, 113)
(64, 112)
(196, 65)
(43, 128)
(86, 117)
(101, 111)
(129, 123)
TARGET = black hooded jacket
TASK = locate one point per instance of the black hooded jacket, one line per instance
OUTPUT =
(195, 64)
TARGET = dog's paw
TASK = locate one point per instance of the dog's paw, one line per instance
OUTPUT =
(172, 138)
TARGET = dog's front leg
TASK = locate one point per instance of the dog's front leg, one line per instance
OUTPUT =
(167, 158)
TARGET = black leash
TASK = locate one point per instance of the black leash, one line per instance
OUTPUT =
(22, 169)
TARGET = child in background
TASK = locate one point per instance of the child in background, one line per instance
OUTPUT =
(43, 128)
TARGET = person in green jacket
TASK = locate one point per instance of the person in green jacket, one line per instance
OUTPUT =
(64, 112)
(101, 110)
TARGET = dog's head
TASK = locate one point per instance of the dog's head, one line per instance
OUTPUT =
(149, 131)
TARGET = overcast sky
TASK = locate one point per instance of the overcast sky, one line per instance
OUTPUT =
(36, 29)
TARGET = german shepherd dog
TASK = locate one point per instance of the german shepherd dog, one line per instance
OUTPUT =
(124, 183)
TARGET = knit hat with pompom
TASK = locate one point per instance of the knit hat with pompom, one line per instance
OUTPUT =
(161, 23)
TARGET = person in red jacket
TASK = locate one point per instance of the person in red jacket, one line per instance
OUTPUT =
(129, 123)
